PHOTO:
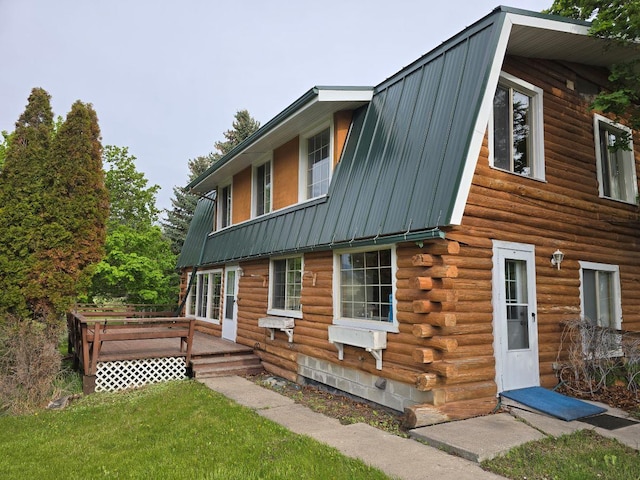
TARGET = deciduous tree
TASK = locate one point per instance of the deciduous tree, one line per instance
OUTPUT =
(619, 22)
(139, 266)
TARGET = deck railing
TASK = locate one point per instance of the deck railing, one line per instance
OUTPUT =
(88, 330)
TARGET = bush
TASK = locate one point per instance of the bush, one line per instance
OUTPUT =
(592, 358)
(29, 364)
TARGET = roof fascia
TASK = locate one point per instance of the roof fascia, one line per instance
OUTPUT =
(511, 17)
(313, 95)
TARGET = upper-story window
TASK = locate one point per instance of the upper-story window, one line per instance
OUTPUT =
(286, 287)
(224, 207)
(516, 130)
(317, 153)
(615, 159)
(262, 188)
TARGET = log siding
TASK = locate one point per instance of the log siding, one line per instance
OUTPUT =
(443, 300)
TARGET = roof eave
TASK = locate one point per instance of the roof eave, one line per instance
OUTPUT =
(338, 97)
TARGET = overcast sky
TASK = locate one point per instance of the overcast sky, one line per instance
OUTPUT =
(166, 77)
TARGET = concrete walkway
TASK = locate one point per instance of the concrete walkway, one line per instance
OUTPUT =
(398, 457)
(470, 441)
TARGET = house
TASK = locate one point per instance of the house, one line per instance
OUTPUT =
(420, 243)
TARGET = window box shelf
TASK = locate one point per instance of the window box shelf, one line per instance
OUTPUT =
(373, 341)
(284, 324)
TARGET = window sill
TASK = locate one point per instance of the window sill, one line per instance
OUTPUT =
(363, 323)
(519, 175)
(619, 200)
(284, 313)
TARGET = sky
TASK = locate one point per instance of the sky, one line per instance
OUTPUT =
(167, 77)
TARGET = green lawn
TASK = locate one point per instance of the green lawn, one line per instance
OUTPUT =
(583, 455)
(176, 430)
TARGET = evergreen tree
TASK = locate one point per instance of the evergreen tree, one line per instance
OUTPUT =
(76, 211)
(53, 208)
(21, 202)
(243, 126)
(184, 203)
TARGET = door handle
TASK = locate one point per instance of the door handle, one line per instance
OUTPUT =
(533, 316)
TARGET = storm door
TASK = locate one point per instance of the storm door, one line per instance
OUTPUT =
(514, 316)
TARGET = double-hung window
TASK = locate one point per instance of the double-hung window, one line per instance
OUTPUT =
(318, 163)
(365, 289)
(286, 287)
(224, 206)
(601, 307)
(615, 160)
(516, 129)
(262, 188)
(205, 296)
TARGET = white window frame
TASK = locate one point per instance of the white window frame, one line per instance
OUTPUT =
(256, 188)
(272, 276)
(304, 161)
(191, 297)
(338, 319)
(537, 125)
(617, 294)
(220, 210)
(628, 158)
(211, 315)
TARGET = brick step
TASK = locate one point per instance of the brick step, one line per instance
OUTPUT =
(242, 359)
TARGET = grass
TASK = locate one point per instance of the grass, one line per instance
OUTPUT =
(172, 430)
(582, 455)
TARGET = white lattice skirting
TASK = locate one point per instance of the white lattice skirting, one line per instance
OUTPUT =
(121, 374)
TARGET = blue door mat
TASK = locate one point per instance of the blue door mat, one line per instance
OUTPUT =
(553, 403)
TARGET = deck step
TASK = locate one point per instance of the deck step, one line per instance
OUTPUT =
(218, 366)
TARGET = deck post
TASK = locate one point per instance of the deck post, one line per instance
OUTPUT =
(88, 384)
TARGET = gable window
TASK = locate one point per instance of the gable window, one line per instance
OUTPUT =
(286, 286)
(365, 289)
(205, 296)
(225, 206)
(263, 189)
(516, 133)
(318, 164)
(615, 161)
(601, 304)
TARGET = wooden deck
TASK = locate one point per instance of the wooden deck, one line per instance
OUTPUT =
(203, 346)
(94, 339)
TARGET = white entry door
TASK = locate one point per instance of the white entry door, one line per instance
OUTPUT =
(515, 325)
(230, 317)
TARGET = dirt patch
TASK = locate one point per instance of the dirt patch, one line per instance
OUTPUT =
(616, 396)
(335, 404)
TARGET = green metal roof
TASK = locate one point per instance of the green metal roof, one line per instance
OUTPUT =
(409, 157)
(397, 177)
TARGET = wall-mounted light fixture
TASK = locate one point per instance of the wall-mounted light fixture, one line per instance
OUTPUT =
(556, 258)
(240, 272)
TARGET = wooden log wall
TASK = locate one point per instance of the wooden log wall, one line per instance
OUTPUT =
(565, 212)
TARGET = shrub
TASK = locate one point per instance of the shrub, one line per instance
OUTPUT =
(29, 364)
